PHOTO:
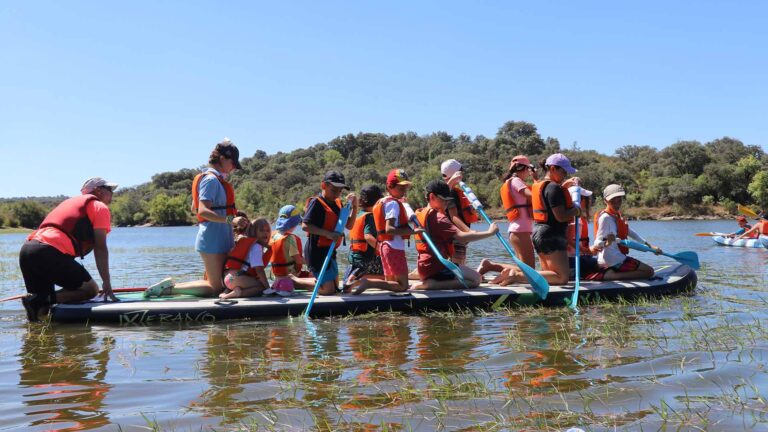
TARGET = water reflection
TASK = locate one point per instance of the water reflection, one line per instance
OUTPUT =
(64, 379)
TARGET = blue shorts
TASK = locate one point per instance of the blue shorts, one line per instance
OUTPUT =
(331, 273)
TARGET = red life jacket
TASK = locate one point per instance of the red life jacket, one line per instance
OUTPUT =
(466, 211)
(357, 234)
(381, 221)
(71, 218)
(511, 209)
(423, 215)
(540, 214)
(622, 228)
(763, 227)
(329, 222)
(228, 189)
(280, 262)
(237, 256)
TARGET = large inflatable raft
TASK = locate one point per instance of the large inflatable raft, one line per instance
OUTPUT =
(134, 309)
(761, 242)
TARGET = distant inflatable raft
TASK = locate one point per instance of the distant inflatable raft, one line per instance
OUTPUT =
(134, 309)
(761, 242)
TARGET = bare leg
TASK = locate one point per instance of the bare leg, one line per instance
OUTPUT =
(245, 286)
(471, 278)
(86, 291)
(398, 283)
(414, 275)
(214, 266)
(523, 246)
(554, 267)
(304, 283)
(509, 276)
(487, 265)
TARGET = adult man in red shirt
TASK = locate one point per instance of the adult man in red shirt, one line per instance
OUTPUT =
(47, 259)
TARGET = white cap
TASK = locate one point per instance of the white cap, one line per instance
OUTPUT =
(450, 167)
(96, 182)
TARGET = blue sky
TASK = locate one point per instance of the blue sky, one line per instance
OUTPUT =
(125, 90)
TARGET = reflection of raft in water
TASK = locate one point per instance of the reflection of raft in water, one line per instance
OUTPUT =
(761, 242)
(134, 309)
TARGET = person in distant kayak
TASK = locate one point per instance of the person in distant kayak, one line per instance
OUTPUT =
(743, 228)
(610, 227)
(213, 202)
(73, 229)
(760, 228)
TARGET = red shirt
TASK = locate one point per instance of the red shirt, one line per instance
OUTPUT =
(97, 212)
(442, 231)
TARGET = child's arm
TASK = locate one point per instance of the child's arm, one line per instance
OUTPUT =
(750, 231)
(471, 236)
(453, 214)
(392, 230)
(298, 262)
(371, 240)
(261, 275)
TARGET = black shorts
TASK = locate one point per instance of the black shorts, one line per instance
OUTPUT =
(547, 241)
(443, 275)
(43, 267)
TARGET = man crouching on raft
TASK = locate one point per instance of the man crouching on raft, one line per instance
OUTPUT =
(433, 274)
(74, 228)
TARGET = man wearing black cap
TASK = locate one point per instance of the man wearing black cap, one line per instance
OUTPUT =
(320, 217)
(433, 274)
(73, 229)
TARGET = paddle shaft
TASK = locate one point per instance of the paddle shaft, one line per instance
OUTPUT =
(576, 260)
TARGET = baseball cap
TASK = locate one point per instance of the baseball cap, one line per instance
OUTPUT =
(612, 191)
(397, 177)
(559, 159)
(229, 151)
(439, 188)
(520, 160)
(369, 194)
(96, 182)
(450, 167)
(741, 219)
(335, 178)
(288, 217)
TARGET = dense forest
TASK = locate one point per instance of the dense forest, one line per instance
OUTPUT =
(686, 177)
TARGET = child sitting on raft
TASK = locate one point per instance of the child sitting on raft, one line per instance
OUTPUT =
(364, 259)
(610, 226)
(433, 274)
(244, 274)
(286, 258)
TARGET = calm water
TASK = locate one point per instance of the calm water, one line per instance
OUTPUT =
(682, 363)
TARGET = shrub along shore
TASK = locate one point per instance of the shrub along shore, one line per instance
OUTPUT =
(685, 180)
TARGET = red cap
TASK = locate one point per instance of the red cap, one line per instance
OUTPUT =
(741, 219)
(397, 177)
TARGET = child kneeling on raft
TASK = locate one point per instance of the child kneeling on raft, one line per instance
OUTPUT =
(244, 274)
(610, 226)
(286, 258)
(364, 259)
(433, 274)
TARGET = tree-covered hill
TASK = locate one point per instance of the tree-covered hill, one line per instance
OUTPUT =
(687, 176)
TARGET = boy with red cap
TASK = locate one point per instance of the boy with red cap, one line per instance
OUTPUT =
(391, 220)
(743, 227)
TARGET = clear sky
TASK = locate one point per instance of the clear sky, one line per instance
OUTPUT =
(125, 90)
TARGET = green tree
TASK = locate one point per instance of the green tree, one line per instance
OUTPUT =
(758, 188)
(165, 210)
(29, 213)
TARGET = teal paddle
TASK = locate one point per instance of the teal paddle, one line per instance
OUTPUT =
(691, 259)
(447, 263)
(576, 195)
(539, 285)
(343, 216)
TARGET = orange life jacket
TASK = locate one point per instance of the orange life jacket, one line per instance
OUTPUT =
(381, 222)
(511, 209)
(228, 189)
(466, 211)
(280, 262)
(422, 215)
(622, 228)
(763, 227)
(329, 222)
(237, 256)
(570, 234)
(357, 234)
(540, 214)
(71, 218)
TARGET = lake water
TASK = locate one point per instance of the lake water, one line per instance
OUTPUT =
(681, 363)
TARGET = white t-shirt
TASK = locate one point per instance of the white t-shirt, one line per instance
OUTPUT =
(392, 211)
(255, 256)
(611, 255)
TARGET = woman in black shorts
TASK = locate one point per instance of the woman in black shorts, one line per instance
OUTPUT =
(552, 210)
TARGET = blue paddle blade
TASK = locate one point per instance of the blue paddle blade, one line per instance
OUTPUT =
(691, 259)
